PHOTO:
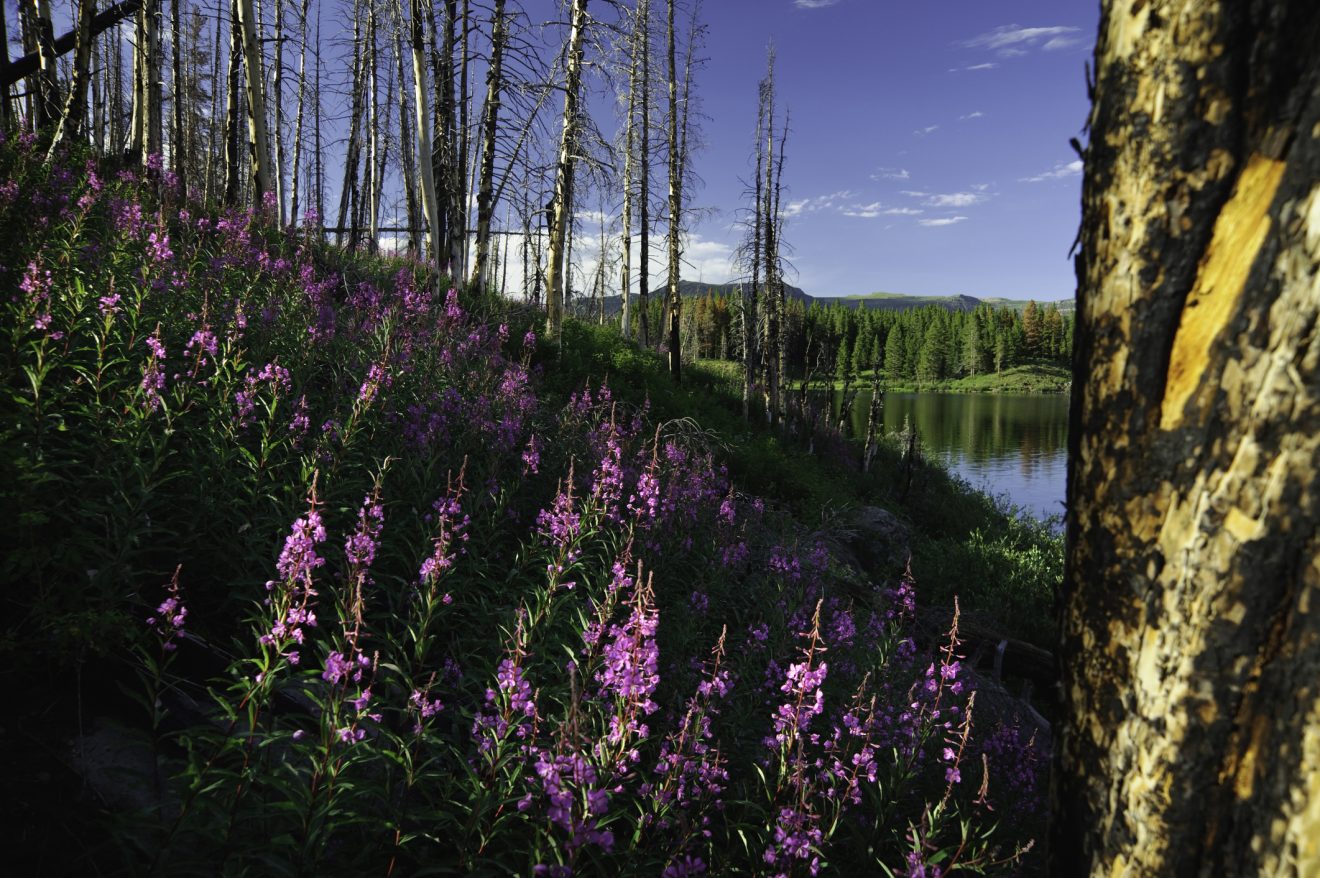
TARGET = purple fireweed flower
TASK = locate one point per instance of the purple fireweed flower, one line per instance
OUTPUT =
(684, 867)
(531, 456)
(510, 708)
(560, 524)
(170, 615)
(300, 421)
(425, 706)
(108, 305)
(376, 378)
(629, 671)
(575, 800)
(153, 375)
(451, 532)
(360, 546)
(607, 482)
(796, 837)
(158, 247)
(298, 558)
(202, 345)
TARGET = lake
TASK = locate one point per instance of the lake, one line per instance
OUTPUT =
(1002, 444)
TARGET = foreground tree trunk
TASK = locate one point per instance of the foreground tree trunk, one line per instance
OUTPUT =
(1190, 743)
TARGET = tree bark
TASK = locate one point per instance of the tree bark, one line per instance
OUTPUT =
(490, 129)
(233, 178)
(75, 108)
(625, 279)
(1190, 740)
(47, 89)
(422, 106)
(258, 142)
(644, 180)
(560, 206)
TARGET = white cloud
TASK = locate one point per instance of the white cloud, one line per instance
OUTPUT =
(944, 221)
(929, 129)
(955, 199)
(912, 193)
(820, 202)
(814, 4)
(1060, 171)
(902, 211)
(977, 114)
(890, 174)
(1011, 39)
(864, 211)
(989, 65)
(980, 187)
(1061, 43)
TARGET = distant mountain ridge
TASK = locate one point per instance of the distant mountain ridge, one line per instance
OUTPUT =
(886, 301)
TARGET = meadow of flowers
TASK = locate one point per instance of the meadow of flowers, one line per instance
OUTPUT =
(458, 627)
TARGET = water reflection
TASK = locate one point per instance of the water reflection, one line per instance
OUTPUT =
(1003, 444)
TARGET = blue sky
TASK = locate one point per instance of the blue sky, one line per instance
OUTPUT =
(928, 150)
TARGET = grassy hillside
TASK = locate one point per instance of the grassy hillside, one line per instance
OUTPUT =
(350, 572)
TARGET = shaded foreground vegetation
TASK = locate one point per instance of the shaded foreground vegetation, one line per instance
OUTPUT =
(354, 573)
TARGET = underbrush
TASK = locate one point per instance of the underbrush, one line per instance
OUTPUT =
(388, 601)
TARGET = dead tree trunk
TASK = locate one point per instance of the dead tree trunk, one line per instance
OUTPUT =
(298, 119)
(644, 177)
(258, 143)
(560, 215)
(47, 88)
(422, 106)
(407, 149)
(233, 177)
(1190, 740)
(277, 86)
(75, 108)
(178, 135)
(490, 129)
(771, 253)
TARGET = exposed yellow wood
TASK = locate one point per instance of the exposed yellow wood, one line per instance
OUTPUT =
(1243, 527)
(1239, 232)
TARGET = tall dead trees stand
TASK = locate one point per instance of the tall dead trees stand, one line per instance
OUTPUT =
(560, 215)
(1190, 739)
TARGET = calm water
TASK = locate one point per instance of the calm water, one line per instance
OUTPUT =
(1011, 445)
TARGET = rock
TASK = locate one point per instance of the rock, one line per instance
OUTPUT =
(880, 542)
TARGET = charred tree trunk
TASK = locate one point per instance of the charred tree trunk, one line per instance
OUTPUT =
(178, 134)
(348, 195)
(644, 178)
(1190, 741)
(258, 142)
(560, 208)
(490, 129)
(233, 177)
(277, 86)
(75, 108)
(768, 228)
(298, 119)
(625, 279)
(47, 87)
(407, 149)
(422, 107)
